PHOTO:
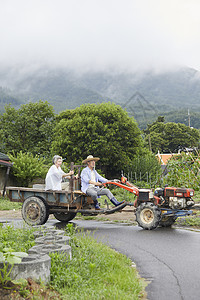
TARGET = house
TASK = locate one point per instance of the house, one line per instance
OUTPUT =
(165, 157)
(5, 162)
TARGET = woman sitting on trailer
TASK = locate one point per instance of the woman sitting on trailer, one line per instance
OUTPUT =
(55, 175)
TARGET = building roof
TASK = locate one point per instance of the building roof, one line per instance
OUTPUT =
(165, 157)
(4, 160)
(4, 157)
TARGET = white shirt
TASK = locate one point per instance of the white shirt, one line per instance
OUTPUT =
(92, 179)
(54, 178)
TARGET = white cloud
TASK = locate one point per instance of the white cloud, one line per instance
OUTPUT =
(100, 33)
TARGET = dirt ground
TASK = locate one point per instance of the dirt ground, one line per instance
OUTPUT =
(127, 214)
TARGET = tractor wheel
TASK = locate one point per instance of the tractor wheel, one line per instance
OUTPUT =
(167, 221)
(35, 211)
(148, 215)
(64, 217)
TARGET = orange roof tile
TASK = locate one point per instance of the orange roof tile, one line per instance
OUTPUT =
(164, 157)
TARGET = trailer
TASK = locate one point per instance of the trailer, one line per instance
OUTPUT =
(38, 204)
(159, 208)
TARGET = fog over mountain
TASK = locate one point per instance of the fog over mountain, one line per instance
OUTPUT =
(143, 94)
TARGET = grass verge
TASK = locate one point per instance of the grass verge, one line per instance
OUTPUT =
(95, 272)
(6, 204)
(19, 239)
(190, 221)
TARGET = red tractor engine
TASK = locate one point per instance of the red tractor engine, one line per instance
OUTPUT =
(175, 198)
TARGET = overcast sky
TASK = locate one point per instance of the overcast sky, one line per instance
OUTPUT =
(135, 34)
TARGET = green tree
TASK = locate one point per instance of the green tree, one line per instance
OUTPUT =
(28, 128)
(27, 167)
(103, 130)
(169, 137)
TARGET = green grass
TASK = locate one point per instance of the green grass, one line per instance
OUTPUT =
(19, 239)
(95, 272)
(192, 221)
(6, 204)
(196, 197)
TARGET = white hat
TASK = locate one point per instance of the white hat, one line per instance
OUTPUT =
(89, 158)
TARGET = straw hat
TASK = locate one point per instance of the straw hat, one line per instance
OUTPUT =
(89, 158)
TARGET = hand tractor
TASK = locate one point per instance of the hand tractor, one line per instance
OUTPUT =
(159, 208)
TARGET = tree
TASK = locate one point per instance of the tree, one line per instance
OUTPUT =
(103, 130)
(29, 128)
(27, 167)
(169, 137)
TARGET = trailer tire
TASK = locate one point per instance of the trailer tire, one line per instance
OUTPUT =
(148, 215)
(167, 221)
(35, 211)
(64, 217)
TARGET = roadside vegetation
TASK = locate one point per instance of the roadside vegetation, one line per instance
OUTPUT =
(94, 272)
(6, 204)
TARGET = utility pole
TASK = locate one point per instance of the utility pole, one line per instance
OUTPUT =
(188, 117)
(150, 142)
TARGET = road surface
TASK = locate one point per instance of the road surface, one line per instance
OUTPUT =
(168, 258)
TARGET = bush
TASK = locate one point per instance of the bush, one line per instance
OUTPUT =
(144, 168)
(27, 167)
(183, 170)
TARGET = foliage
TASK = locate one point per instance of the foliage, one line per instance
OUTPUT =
(26, 167)
(169, 137)
(144, 167)
(95, 272)
(19, 239)
(191, 221)
(13, 245)
(28, 128)
(8, 257)
(6, 204)
(181, 116)
(103, 130)
(184, 170)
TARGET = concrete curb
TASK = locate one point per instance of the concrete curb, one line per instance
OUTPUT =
(37, 264)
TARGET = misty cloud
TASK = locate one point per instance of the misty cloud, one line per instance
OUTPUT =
(98, 34)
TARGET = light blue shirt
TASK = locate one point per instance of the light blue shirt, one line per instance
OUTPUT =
(86, 177)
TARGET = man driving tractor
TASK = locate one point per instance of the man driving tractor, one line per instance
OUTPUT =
(91, 182)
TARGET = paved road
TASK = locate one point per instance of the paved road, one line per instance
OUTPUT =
(168, 258)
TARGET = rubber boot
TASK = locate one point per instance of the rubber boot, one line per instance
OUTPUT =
(96, 205)
(115, 202)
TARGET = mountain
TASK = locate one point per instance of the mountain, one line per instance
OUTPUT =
(145, 95)
(8, 97)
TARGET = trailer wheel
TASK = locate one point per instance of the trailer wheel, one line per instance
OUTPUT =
(35, 211)
(64, 217)
(148, 215)
(167, 221)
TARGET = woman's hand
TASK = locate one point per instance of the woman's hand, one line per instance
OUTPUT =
(70, 173)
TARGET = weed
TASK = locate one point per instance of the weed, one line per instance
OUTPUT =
(95, 271)
(192, 221)
(19, 239)
(6, 204)
(9, 258)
